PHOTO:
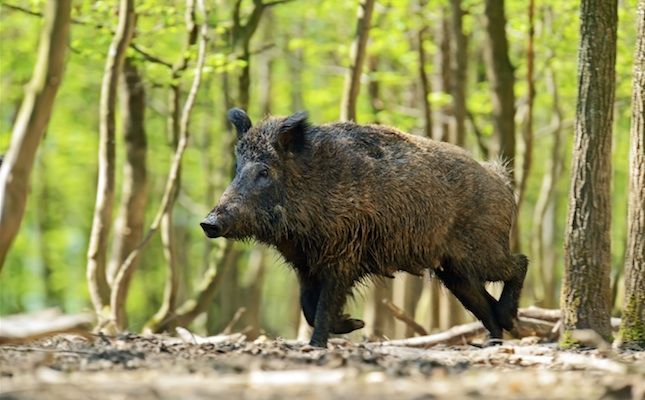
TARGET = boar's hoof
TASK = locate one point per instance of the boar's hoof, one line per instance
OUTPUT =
(493, 342)
(345, 324)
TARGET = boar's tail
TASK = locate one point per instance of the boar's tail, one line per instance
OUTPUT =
(499, 167)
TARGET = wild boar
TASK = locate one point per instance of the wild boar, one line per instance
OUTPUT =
(344, 202)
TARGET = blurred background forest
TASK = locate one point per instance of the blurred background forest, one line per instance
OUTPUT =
(278, 57)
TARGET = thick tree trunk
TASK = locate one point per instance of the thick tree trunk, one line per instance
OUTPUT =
(358, 51)
(632, 330)
(102, 220)
(459, 64)
(32, 120)
(500, 75)
(130, 223)
(585, 288)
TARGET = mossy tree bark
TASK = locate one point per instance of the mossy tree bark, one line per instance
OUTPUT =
(585, 297)
(632, 330)
(32, 120)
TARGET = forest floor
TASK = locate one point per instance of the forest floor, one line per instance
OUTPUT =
(162, 367)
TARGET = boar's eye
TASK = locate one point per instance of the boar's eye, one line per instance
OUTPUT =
(263, 173)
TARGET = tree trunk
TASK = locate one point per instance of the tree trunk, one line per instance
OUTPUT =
(359, 47)
(426, 90)
(541, 260)
(500, 75)
(130, 223)
(32, 120)
(435, 304)
(443, 60)
(241, 41)
(632, 330)
(167, 229)
(379, 322)
(585, 288)
(119, 291)
(527, 128)
(266, 66)
(102, 220)
(295, 62)
(459, 64)
(253, 299)
(374, 88)
(413, 286)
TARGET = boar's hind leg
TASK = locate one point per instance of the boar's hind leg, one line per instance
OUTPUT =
(475, 298)
(506, 308)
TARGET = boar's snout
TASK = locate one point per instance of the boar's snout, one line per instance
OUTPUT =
(212, 226)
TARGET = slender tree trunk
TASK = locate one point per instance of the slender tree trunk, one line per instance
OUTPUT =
(444, 57)
(543, 268)
(527, 128)
(295, 62)
(119, 291)
(255, 278)
(102, 220)
(426, 89)
(459, 61)
(358, 51)
(374, 88)
(585, 288)
(241, 40)
(435, 304)
(52, 293)
(167, 229)
(413, 287)
(632, 330)
(266, 66)
(32, 120)
(130, 222)
(500, 75)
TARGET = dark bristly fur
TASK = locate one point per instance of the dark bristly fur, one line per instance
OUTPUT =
(343, 202)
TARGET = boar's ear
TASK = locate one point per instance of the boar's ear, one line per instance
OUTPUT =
(291, 133)
(240, 121)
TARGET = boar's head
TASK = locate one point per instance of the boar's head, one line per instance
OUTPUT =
(253, 204)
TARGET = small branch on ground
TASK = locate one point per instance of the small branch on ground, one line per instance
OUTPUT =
(459, 334)
(403, 317)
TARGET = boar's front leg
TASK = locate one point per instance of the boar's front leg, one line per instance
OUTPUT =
(309, 295)
(330, 303)
(310, 288)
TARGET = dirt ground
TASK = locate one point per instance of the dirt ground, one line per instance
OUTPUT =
(162, 367)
